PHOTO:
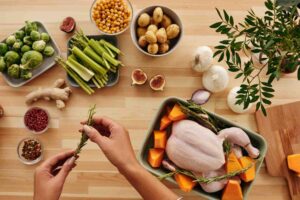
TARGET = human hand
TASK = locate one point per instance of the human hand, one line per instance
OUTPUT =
(48, 186)
(117, 146)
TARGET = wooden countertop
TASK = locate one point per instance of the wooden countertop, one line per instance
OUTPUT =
(95, 177)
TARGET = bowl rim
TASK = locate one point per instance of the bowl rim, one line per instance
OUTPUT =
(134, 36)
(32, 131)
(30, 162)
(143, 146)
(112, 34)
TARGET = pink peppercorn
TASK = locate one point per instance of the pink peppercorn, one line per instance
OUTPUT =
(36, 119)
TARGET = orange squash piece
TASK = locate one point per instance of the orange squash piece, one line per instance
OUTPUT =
(160, 139)
(232, 164)
(164, 123)
(232, 191)
(249, 175)
(294, 163)
(155, 157)
(176, 113)
(185, 183)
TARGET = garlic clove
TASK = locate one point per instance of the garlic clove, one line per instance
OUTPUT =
(231, 99)
(215, 79)
(203, 58)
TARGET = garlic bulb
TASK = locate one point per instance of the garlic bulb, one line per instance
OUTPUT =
(203, 59)
(231, 99)
(215, 79)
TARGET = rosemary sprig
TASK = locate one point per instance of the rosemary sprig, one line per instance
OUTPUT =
(206, 180)
(84, 137)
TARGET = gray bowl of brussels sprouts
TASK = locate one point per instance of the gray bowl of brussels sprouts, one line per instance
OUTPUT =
(26, 54)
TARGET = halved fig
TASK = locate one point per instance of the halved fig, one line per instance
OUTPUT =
(68, 25)
(139, 77)
(157, 83)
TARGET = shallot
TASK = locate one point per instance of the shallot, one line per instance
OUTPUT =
(200, 96)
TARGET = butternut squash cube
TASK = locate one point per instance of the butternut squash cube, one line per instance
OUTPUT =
(176, 113)
(249, 175)
(160, 139)
(232, 164)
(155, 157)
(232, 191)
(294, 163)
(184, 182)
(164, 123)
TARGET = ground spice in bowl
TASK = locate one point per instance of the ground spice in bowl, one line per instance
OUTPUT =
(30, 151)
(36, 120)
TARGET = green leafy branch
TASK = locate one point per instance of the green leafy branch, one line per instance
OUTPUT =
(273, 38)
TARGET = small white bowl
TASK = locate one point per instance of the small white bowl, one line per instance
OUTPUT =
(170, 13)
(22, 159)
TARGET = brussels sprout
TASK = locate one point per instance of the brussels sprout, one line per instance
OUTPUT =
(10, 40)
(25, 73)
(2, 64)
(45, 37)
(14, 71)
(39, 45)
(31, 59)
(11, 57)
(20, 34)
(17, 46)
(27, 40)
(3, 49)
(35, 35)
(25, 48)
(48, 51)
(30, 26)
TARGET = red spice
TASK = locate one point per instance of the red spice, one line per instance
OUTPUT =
(31, 149)
(36, 119)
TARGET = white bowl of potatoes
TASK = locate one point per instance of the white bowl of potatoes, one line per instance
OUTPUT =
(156, 30)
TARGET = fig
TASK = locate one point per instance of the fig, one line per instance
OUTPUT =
(1, 111)
(157, 83)
(139, 77)
(68, 25)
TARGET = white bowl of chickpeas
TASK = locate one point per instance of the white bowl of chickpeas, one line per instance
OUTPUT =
(112, 17)
(156, 31)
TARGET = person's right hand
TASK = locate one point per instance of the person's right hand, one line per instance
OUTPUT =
(117, 147)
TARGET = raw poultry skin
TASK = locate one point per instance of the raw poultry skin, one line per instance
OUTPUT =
(194, 147)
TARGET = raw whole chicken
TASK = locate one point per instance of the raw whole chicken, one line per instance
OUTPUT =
(197, 149)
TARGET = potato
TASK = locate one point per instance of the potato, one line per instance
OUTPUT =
(152, 28)
(142, 41)
(163, 48)
(161, 35)
(150, 37)
(158, 15)
(173, 31)
(152, 48)
(143, 20)
(141, 31)
(166, 21)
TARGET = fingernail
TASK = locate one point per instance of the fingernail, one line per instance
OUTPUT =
(71, 160)
(86, 129)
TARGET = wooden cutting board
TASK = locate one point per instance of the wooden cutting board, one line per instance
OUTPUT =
(281, 129)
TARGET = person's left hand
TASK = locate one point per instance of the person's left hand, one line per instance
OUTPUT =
(48, 186)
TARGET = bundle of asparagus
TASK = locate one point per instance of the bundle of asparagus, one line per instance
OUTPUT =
(90, 60)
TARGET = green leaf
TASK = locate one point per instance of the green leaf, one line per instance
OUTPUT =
(231, 21)
(266, 84)
(221, 57)
(217, 53)
(268, 89)
(219, 13)
(220, 47)
(216, 25)
(298, 74)
(233, 69)
(263, 110)
(269, 5)
(268, 95)
(226, 15)
(238, 75)
(266, 101)
(250, 30)
(227, 55)
(258, 105)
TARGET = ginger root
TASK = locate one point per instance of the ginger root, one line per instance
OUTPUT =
(56, 92)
